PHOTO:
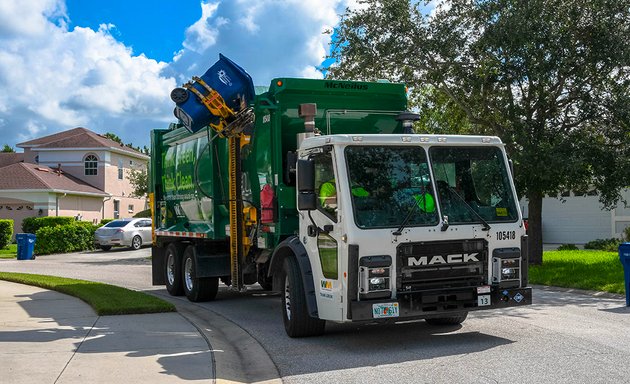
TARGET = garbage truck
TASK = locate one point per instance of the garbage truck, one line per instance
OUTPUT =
(320, 190)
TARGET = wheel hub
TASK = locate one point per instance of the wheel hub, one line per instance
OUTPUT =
(188, 274)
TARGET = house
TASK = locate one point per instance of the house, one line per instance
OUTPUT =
(577, 218)
(70, 173)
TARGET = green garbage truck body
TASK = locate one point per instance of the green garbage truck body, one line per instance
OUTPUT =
(327, 197)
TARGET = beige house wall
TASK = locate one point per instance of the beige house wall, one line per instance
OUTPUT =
(106, 179)
(122, 189)
(29, 156)
(90, 208)
(20, 204)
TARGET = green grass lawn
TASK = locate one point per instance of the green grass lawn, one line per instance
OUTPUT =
(105, 299)
(583, 269)
(10, 252)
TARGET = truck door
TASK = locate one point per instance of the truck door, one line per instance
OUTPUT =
(322, 240)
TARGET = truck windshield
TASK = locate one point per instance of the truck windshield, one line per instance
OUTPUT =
(389, 185)
(473, 178)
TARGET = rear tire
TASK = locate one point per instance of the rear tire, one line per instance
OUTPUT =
(173, 270)
(450, 320)
(136, 243)
(297, 321)
(106, 247)
(197, 289)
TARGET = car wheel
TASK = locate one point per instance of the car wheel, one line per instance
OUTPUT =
(106, 247)
(450, 320)
(136, 242)
(197, 289)
(297, 320)
(173, 270)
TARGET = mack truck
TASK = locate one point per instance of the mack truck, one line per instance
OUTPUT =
(320, 190)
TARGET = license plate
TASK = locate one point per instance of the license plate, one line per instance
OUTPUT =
(483, 300)
(384, 310)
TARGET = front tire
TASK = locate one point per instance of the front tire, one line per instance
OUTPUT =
(136, 243)
(450, 320)
(106, 247)
(173, 270)
(297, 321)
(197, 289)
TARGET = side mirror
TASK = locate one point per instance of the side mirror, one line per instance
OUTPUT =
(306, 199)
(306, 175)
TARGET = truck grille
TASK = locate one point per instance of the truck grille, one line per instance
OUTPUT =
(430, 265)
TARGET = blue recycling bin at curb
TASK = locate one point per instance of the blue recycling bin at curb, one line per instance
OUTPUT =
(25, 246)
(624, 257)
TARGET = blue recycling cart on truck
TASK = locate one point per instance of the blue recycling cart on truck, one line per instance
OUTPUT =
(25, 246)
(624, 257)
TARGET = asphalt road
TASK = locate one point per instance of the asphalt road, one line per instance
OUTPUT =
(565, 337)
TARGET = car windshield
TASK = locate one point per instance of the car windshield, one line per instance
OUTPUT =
(390, 185)
(117, 223)
(473, 179)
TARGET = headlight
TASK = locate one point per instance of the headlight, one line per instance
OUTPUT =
(374, 277)
(509, 274)
(506, 267)
(378, 284)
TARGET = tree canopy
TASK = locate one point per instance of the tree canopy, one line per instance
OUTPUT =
(550, 77)
(7, 149)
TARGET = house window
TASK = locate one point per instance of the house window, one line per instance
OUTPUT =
(37, 159)
(130, 210)
(91, 165)
(120, 169)
(116, 209)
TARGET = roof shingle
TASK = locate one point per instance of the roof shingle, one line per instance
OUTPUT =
(76, 138)
(37, 177)
(10, 158)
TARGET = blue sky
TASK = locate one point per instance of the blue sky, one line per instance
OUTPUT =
(156, 28)
(109, 65)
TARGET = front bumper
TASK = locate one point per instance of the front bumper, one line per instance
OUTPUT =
(443, 303)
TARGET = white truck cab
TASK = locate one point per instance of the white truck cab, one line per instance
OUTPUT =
(398, 227)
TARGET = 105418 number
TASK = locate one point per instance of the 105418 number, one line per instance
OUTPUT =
(506, 235)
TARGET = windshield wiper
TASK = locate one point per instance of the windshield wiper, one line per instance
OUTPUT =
(413, 209)
(486, 226)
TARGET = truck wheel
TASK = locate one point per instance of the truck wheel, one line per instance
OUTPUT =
(196, 288)
(297, 321)
(173, 270)
(451, 320)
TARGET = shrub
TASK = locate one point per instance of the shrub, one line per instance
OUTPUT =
(64, 238)
(88, 225)
(6, 232)
(568, 247)
(610, 245)
(32, 224)
(626, 232)
(143, 214)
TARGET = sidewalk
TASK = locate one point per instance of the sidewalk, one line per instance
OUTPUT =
(49, 337)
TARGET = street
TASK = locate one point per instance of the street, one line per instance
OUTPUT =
(565, 337)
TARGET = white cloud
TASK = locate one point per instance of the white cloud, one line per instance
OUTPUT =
(56, 79)
(268, 38)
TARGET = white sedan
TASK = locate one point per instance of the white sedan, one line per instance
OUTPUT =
(125, 232)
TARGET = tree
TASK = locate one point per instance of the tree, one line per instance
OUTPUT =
(7, 149)
(112, 136)
(550, 77)
(139, 180)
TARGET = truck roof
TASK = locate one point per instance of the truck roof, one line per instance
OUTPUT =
(401, 139)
